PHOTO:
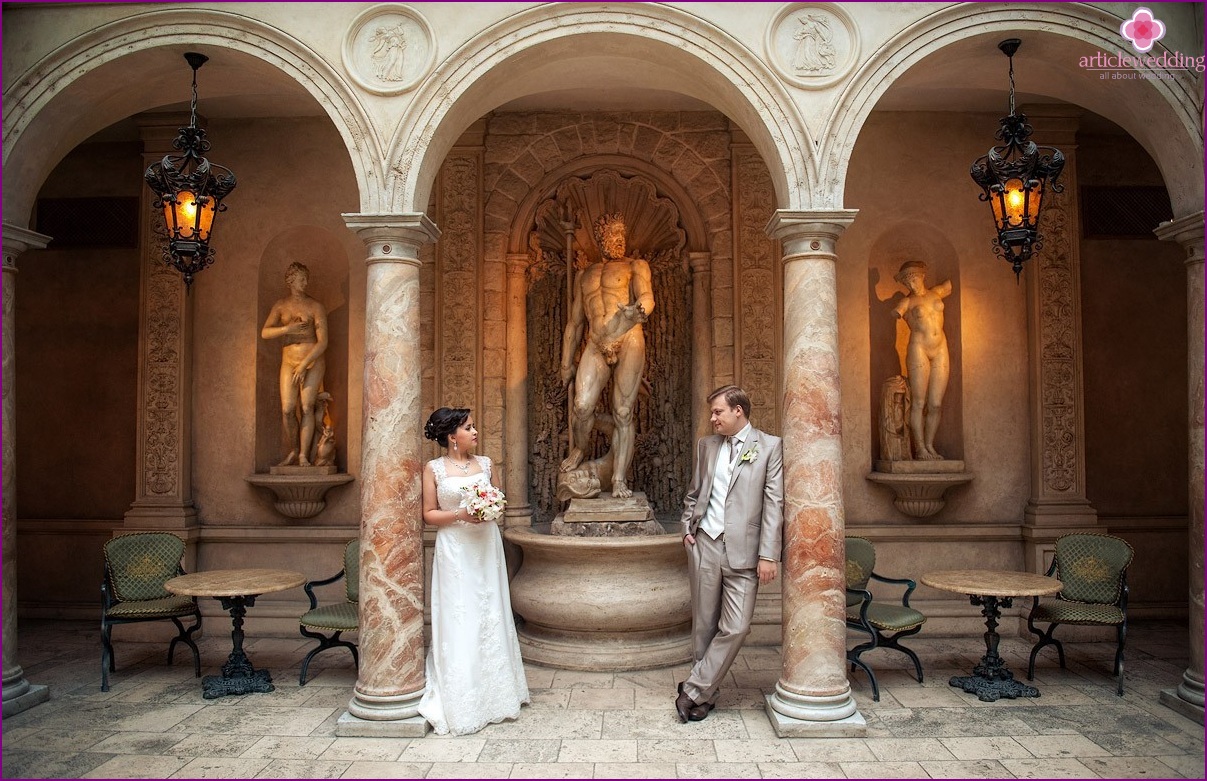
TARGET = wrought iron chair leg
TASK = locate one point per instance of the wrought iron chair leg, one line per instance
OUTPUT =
(107, 658)
(1045, 639)
(855, 660)
(1121, 634)
(324, 643)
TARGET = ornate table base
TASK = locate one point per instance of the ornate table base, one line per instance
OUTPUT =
(238, 676)
(991, 680)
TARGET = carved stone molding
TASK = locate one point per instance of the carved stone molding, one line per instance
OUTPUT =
(812, 45)
(388, 49)
(458, 280)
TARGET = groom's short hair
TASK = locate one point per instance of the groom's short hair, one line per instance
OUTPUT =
(734, 397)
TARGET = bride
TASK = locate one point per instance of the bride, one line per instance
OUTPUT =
(475, 675)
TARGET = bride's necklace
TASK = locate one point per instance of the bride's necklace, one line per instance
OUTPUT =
(463, 467)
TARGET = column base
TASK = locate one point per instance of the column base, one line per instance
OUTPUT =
(795, 715)
(349, 726)
(1187, 699)
(385, 708)
(29, 696)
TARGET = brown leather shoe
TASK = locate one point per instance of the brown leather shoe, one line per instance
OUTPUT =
(684, 705)
(700, 712)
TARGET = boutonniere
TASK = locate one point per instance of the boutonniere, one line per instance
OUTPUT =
(749, 456)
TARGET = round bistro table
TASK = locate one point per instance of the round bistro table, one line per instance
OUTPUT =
(992, 590)
(237, 590)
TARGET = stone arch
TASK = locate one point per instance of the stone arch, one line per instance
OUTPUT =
(43, 120)
(679, 53)
(1141, 107)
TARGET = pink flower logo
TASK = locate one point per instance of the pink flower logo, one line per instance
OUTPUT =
(1143, 29)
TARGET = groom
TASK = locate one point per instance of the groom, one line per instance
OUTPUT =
(732, 516)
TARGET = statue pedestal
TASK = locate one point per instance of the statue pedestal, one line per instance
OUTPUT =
(920, 487)
(300, 492)
(607, 516)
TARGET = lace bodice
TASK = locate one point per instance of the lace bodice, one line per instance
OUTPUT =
(450, 488)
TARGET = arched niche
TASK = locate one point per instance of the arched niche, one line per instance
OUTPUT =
(888, 336)
(325, 259)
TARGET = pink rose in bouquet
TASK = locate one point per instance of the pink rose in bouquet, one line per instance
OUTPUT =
(484, 501)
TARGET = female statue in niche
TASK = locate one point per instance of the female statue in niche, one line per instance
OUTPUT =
(928, 363)
(302, 321)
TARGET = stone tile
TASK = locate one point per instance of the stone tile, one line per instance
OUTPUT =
(598, 751)
(674, 750)
(907, 749)
(207, 745)
(1047, 768)
(133, 766)
(1129, 745)
(925, 697)
(276, 747)
(762, 658)
(601, 699)
(520, 751)
(720, 725)
(800, 770)
(1063, 746)
(446, 750)
(882, 769)
(764, 750)
(327, 697)
(956, 722)
(581, 679)
(298, 722)
(635, 770)
(659, 680)
(374, 769)
(56, 739)
(50, 764)
(552, 770)
(468, 770)
(551, 698)
(963, 768)
(115, 716)
(364, 749)
(812, 751)
(549, 724)
(1187, 765)
(748, 699)
(651, 699)
(718, 770)
(300, 768)
(758, 725)
(539, 677)
(139, 743)
(986, 748)
(1132, 767)
(221, 767)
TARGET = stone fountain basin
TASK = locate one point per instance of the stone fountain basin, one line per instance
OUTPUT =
(602, 603)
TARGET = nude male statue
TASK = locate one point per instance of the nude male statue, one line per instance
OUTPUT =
(303, 322)
(614, 297)
(926, 358)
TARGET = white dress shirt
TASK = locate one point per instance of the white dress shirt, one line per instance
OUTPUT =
(713, 523)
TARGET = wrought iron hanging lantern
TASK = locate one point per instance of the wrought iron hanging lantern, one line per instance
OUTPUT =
(1015, 177)
(190, 190)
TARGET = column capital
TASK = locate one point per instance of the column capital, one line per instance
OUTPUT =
(393, 238)
(17, 240)
(699, 262)
(518, 262)
(809, 232)
(1186, 231)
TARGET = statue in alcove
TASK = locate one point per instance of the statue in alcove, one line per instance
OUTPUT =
(927, 361)
(302, 322)
(612, 298)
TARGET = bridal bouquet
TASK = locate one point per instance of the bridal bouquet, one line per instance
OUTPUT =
(484, 501)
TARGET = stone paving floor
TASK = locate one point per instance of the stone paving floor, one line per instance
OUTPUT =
(154, 722)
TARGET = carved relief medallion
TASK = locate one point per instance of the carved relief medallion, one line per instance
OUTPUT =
(812, 45)
(389, 49)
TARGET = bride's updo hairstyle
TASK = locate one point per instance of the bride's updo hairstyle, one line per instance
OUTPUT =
(443, 422)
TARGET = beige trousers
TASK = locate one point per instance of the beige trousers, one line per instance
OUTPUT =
(722, 608)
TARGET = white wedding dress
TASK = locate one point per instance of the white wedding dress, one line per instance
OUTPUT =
(475, 675)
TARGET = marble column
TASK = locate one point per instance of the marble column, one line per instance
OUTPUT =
(390, 681)
(1058, 503)
(515, 420)
(702, 377)
(19, 694)
(1187, 699)
(813, 696)
(163, 498)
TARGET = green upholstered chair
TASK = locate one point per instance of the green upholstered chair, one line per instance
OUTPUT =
(876, 617)
(334, 619)
(1092, 569)
(136, 567)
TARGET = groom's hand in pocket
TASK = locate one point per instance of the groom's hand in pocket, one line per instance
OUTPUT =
(689, 540)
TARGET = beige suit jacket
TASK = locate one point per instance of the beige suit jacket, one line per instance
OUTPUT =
(754, 506)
